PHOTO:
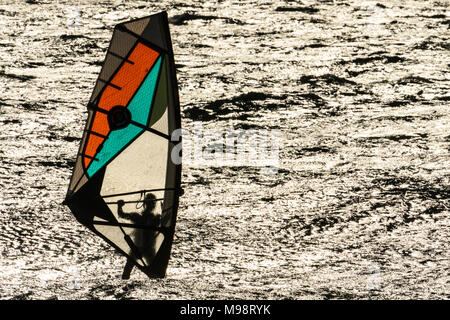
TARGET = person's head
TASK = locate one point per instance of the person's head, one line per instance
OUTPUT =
(149, 203)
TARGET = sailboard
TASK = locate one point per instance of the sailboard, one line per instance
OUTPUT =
(126, 149)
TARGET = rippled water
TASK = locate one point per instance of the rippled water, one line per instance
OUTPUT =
(359, 206)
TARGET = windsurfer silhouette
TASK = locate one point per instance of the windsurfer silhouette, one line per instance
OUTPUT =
(142, 236)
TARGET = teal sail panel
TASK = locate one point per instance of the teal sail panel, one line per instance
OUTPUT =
(140, 105)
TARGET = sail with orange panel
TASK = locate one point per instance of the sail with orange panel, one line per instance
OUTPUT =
(126, 150)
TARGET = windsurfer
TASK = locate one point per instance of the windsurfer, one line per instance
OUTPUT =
(142, 236)
(147, 217)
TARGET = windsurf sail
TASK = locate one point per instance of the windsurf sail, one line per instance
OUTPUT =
(126, 147)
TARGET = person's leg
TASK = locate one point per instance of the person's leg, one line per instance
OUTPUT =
(127, 270)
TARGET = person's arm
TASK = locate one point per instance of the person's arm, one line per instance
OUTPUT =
(124, 215)
(158, 219)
